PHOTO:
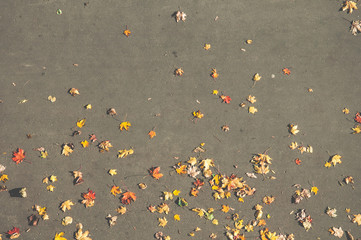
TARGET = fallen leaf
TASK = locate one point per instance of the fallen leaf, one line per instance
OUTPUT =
(162, 222)
(142, 186)
(128, 197)
(357, 219)
(111, 220)
(59, 236)
(331, 212)
(180, 16)
(4, 178)
(178, 72)
(88, 106)
(356, 129)
(52, 99)
(18, 156)
(124, 153)
(225, 208)
(293, 129)
(167, 196)
(314, 190)
(207, 46)
(215, 92)
(346, 111)
(286, 71)
(53, 178)
(226, 99)
(66, 205)
(44, 154)
(268, 200)
(349, 5)
(66, 221)
(67, 149)
(154, 172)
(112, 172)
(348, 179)
(357, 117)
(81, 123)
(176, 192)
(50, 188)
(111, 112)
(73, 91)
(163, 208)
(89, 198)
(115, 190)
(355, 27)
(256, 77)
(127, 32)
(298, 161)
(198, 114)
(252, 110)
(85, 143)
(121, 210)
(80, 234)
(14, 233)
(125, 126)
(152, 134)
(176, 217)
(337, 232)
(214, 73)
(251, 99)
(104, 146)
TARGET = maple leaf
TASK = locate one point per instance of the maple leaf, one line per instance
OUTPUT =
(104, 146)
(226, 99)
(67, 149)
(128, 197)
(125, 125)
(314, 190)
(198, 114)
(180, 169)
(348, 179)
(67, 220)
(251, 99)
(331, 212)
(127, 32)
(180, 16)
(207, 46)
(85, 143)
(81, 123)
(52, 99)
(252, 110)
(337, 232)
(256, 77)
(225, 208)
(215, 92)
(262, 169)
(293, 129)
(268, 200)
(286, 71)
(115, 190)
(122, 210)
(13, 233)
(66, 205)
(93, 138)
(178, 72)
(298, 161)
(356, 129)
(194, 192)
(357, 117)
(50, 188)
(176, 217)
(73, 91)
(167, 196)
(111, 220)
(214, 73)
(152, 134)
(355, 27)
(346, 111)
(193, 171)
(163, 208)
(192, 161)
(336, 159)
(124, 153)
(19, 156)
(112, 172)
(151, 209)
(176, 192)
(43, 154)
(154, 172)
(80, 234)
(349, 5)
(59, 236)
(357, 219)
(89, 198)
(162, 222)
(4, 178)
(293, 145)
(206, 163)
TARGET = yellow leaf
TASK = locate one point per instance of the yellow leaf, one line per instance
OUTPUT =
(177, 217)
(53, 178)
(124, 153)
(4, 178)
(162, 222)
(251, 99)
(192, 161)
(215, 221)
(314, 190)
(44, 154)
(122, 210)
(176, 192)
(81, 123)
(73, 91)
(88, 106)
(215, 92)
(240, 199)
(198, 114)
(328, 164)
(207, 46)
(293, 129)
(50, 188)
(66, 221)
(191, 234)
(214, 73)
(238, 224)
(252, 110)
(127, 32)
(336, 159)
(167, 196)
(256, 77)
(125, 125)
(356, 129)
(46, 180)
(66, 150)
(199, 211)
(112, 172)
(349, 5)
(225, 208)
(52, 99)
(249, 41)
(66, 205)
(59, 236)
(346, 111)
(85, 143)
(115, 190)
(293, 145)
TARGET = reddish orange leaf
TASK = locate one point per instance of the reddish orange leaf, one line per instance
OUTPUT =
(128, 197)
(286, 71)
(152, 134)
(127, 32)
(13, 233)
(198, 183)
(226, 99)
(90, 195)
(154, 172)
(298, 161)
(194, 192)
(19, 156)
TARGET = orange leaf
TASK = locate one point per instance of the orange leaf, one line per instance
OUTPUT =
(152, 134)
(115, 190)
(128, 197)
(154, 172)
(286, 71)
(127, 32)
(19, 156)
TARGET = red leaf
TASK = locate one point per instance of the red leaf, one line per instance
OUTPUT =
(13, 231)
(298, 161)
(18, 156)
(226, 99)
(90, 195)
(128, 197)
(154, 172)
(358, 117)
